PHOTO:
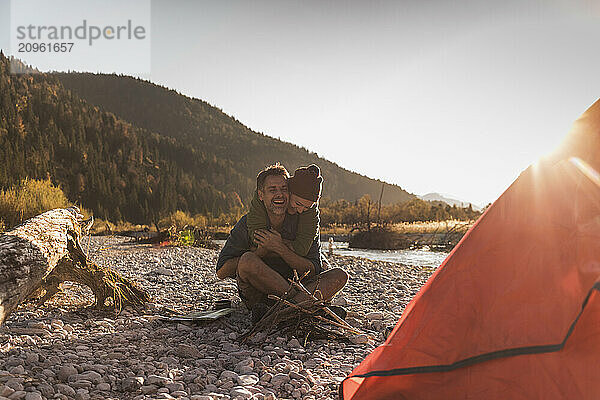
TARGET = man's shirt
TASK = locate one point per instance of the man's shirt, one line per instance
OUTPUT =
(238, 243)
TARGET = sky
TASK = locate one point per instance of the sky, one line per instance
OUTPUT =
(456, 97)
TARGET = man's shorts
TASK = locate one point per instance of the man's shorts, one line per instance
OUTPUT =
(250, 295)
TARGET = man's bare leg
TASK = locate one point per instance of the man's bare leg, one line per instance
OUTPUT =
(329, 283)
(254, 271)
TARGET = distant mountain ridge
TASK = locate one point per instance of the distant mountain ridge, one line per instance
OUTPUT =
(448, 200)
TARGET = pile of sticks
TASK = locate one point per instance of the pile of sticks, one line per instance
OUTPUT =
(308, 320)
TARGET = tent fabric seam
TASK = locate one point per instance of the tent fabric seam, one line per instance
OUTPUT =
(482, 357)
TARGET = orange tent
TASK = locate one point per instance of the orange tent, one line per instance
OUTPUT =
(514, 311)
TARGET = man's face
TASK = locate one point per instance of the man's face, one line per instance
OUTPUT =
(275, 194)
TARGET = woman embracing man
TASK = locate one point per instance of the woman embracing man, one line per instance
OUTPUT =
(280, 235)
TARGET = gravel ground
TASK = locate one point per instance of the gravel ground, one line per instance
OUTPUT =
(66, 350)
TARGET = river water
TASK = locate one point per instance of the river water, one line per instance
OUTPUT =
(420, 257)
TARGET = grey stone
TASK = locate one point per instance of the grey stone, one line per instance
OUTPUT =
(158, 380)
(92, 376)
(297, 376)
(239, 392)
(211, 387)
(149, 389)
(247, 380)
(66, 371)
(229, 375)
(183, 328)
(81, 384)
(132, 384)
(18, 370)
(32, 358)
(46, 390)
(280, 379)
(15, 384)
(360, 339)
(33, 396)
(18, 395)
(65, 389)
(374, 315)
(174, 386)
(187, 351)
(266, 377)
(82, 394)
(105, 387)
(5, 391)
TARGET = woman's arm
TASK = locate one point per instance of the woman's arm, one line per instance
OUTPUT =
(257, 218)
(308, 229)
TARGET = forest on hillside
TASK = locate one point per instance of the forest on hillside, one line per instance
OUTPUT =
(129, 150)
(202, 126)
(119, 171)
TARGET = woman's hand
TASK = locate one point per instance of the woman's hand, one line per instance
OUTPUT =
(269, 239)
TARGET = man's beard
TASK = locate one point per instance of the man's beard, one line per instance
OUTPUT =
(277, 209)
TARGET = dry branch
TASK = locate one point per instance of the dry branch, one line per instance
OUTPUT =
(304, 319)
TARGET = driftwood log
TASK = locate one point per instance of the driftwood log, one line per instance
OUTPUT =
(44, 251)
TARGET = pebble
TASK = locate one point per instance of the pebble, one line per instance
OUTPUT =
(132, 384)
(65, 389)
(165, 271)
(184, 350)
(18, 395)
(374, 315)
(103, 387)
(18, 370)
(148, 389)
(360, 339)
(157, 380)
(280, 379)
(247, 380)
(229, 375)
(175, 386)
(240, 392)
(66, 350)
(66, 371)
(33, 396)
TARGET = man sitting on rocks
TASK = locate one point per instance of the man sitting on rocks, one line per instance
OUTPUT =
(266, 269)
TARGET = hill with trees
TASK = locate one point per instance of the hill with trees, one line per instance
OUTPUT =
(146, 153)
(118, 170)
(202, 126)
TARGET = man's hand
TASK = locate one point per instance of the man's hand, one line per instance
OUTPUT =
(269, 240)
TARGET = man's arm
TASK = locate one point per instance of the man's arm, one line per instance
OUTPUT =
(271, 240)
(229, 269)
(236, 245)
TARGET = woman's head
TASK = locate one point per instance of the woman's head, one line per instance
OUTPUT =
(305, 188)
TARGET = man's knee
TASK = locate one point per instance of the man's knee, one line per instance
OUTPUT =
(339, 276)
(248, 264)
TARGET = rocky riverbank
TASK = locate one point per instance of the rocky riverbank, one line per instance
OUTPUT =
(64, 350)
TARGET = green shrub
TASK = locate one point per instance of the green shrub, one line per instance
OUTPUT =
(28, 199)
(186, 238)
